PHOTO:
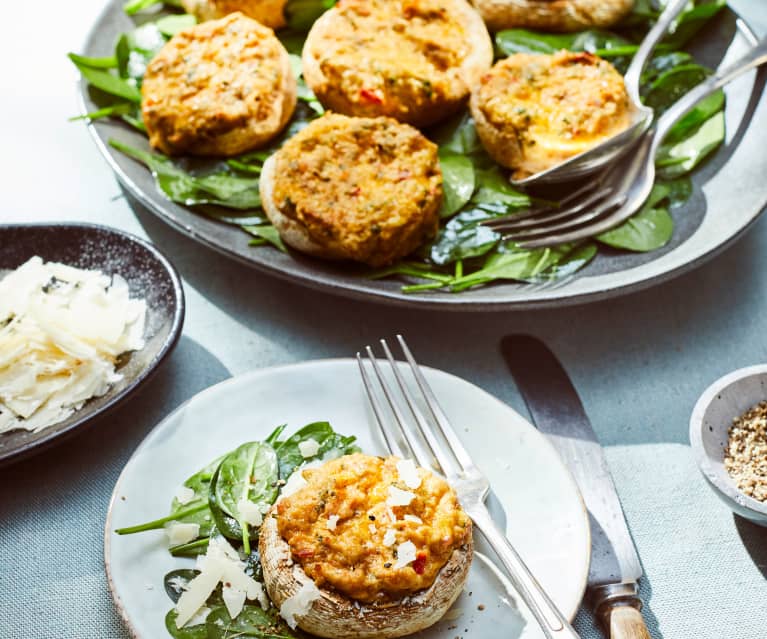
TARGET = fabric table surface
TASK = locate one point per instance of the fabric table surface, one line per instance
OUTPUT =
(639, 363)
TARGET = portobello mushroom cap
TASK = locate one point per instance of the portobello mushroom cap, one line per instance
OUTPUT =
(552, 15)
(336, 616)
(270, 13)
(395, 91)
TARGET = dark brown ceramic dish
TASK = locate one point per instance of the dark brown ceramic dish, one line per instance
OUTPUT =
(149, 275)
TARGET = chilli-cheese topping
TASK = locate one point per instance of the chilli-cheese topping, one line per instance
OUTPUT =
(387, 539)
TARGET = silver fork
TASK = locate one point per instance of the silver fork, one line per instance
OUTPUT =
(418, 439)
(620, 191)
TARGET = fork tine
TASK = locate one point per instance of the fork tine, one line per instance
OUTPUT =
(436, 411)
(413, 447)
(581, 192)
(447, 464)
(582, 221)
(553, 215)
(391, 442)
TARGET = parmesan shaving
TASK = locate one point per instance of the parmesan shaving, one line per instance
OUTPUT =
(405, 554)
(200, 617)
(390, 536)
(333, 522)
(234, 600)
(251, 512)
(413, 519)
(184, 495)
(61, 332)
(372, 528)
(408, 473)
(221, 563)
(308, 448)
(300, 603)
(295, 483)
(399, 497)
(180, 533)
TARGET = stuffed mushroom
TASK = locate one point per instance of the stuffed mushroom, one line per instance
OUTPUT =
(412, 60)
(361, 189)
(533, 111)
(552, 15)
(365, 547)
(218, 88)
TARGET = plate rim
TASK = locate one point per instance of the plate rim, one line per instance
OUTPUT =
(328, 284)
(174, 334)
(346, 361)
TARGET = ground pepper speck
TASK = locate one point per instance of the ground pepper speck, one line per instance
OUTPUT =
(745, 455)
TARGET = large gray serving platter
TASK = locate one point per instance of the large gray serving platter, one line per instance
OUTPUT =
(150, 276)
(729, 193)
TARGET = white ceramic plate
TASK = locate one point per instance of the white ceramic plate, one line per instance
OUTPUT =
(533, 493)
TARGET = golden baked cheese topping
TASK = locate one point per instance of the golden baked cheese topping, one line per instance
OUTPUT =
(359, 527)
(556, 106)
(217, 88)
(368, 188)
(392, 57)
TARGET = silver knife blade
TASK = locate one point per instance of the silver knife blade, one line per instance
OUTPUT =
(557, 410)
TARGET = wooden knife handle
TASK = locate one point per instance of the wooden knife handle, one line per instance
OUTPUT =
(622, 619)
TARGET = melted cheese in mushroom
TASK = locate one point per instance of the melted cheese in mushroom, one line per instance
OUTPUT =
(539, 110)
(371, 551)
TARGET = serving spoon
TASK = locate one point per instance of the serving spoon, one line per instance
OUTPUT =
(599, 156)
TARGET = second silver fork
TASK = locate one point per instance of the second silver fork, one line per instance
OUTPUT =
(415, 437)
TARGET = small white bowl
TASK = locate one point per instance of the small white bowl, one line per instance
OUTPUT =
(727, 398)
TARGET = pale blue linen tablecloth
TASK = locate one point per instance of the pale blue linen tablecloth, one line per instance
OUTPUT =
(640, 363)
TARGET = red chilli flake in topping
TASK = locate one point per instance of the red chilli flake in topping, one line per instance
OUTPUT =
(419, 564)
(370, 96)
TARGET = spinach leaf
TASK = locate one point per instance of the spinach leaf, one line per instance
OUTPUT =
(412, 269)
(170, 25)
(494, 188)
(223, 189)
(699, 114)
(510, 262)
(176, 581)
(251, 622)
(192, 549)
(458, 135)
(679, 190)
(198, 631)
(682, 157)
(108, 62)
(573, 261)
(121, 108)
(691, 21)
(134, 6)
(672, 85)
(649, 229)
(463, 237)
(457, 182)
(331, 445)
(301, 14)
(511, 41)
(248, 473)
(265, 233)
(107, 82)
(659, 64)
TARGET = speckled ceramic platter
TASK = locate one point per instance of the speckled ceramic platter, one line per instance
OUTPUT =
(149, 275)
(534, 497)
(729, 193)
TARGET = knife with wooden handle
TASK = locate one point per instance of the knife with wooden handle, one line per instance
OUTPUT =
(557, 411)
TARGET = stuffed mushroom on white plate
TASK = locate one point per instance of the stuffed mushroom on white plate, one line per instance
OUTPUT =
(441, 578)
